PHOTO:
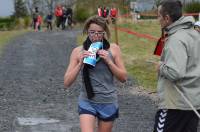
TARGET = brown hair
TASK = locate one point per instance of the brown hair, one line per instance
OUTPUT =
(173, 8)
(99, 21)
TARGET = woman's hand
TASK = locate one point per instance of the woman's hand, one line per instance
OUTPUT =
(104, 54)
(82, 55)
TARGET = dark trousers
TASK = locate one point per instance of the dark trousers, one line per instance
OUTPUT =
(172, 120)
(63, 22)
(34, 23)
(49, 25)
(58, 21)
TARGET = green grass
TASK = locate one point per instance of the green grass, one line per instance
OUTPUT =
(6, 36)
(137, 51)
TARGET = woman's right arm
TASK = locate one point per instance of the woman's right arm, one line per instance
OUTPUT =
(75, 64)
(73, 67)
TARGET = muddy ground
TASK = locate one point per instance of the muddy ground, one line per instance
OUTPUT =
(32, 98)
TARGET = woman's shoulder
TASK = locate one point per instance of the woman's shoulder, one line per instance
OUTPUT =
(77, 50)
(114, 47)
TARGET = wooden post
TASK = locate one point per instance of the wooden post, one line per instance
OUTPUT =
(116, 32)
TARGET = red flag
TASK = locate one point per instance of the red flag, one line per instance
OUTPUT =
(159, 46)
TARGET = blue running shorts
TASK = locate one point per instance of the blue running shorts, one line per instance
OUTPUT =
(104, 112)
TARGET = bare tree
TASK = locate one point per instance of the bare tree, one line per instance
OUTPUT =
(20, 8)
(31, 4)
(47, 5)
(157, 2)
(50, 5)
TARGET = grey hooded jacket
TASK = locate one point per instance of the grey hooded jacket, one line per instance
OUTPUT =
(180, 66)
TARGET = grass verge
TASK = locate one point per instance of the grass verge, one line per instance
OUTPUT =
(6, 36)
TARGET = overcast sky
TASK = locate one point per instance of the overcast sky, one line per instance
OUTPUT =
(6, 8)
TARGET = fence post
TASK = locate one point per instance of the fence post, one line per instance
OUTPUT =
(116, 32)
(199, 16)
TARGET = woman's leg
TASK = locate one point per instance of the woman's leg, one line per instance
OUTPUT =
(105, 126)
(87, 122)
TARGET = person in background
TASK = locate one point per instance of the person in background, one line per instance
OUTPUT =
(197, 26)
(49, 19)
(69, 17)
(178, 71)
(100, 11)
(113, 14)
(38, 23)
(58, 13)
(98, 96)
(105, 12)
(35, 17)
(64, 17)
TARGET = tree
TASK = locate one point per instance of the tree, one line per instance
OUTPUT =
(157, 2)
(20, 8)
(45, 6)
(31, 4)
(50, 5)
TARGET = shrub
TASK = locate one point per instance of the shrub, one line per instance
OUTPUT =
(192, 8)
(27, 21)
(19, 23)
(81, 14)
(7, 23)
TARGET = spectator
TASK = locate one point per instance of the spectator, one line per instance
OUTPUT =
(113, 14)
(197, 26)
(100, 11)
(58, 13)
(105, 12)
(64, 17)
(35, 17)
(49, 19)
(69, 17)
(178, 71)
(38, 23)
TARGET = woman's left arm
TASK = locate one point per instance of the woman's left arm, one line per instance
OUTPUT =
(117, 67)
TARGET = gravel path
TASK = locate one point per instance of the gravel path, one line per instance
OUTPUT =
(32, 98)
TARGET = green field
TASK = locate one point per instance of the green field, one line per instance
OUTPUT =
(137, 51)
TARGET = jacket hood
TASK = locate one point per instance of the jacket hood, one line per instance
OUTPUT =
(197, 23)
(183, 22)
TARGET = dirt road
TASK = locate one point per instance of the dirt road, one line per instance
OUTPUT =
(32, 98)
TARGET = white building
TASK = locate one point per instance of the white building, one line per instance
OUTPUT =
(146, 5)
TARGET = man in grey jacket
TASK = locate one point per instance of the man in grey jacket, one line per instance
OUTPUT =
(179, 67)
